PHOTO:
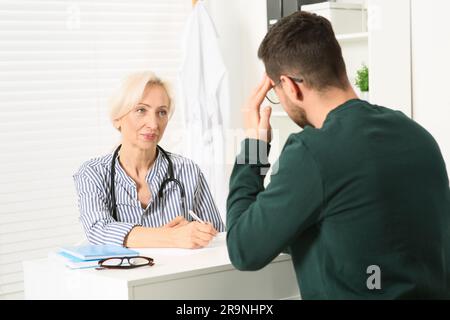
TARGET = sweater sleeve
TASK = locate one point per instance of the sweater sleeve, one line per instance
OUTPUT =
(262, 223)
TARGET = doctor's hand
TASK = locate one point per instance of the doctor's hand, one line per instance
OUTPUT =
(176, 223)
(193, 235)
(257, 125)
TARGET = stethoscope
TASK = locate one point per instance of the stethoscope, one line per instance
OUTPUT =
(171, 178)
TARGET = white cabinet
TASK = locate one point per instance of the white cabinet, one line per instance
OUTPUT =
(409, 48)
(430, 32)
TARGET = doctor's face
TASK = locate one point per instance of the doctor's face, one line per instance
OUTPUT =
(144, 125)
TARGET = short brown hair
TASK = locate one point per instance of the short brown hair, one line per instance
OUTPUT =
(303, 44)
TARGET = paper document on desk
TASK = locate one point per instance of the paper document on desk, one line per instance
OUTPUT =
(218, 241)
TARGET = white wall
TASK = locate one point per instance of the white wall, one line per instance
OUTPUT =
(431, 68)
(241, 26)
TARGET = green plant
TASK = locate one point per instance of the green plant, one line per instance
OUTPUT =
(362, 78)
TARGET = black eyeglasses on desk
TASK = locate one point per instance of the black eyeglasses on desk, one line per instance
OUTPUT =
(125, 262)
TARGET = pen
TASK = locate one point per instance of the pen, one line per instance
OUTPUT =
(193, 215)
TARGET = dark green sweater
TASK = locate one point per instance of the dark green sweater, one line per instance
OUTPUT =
(369, 188)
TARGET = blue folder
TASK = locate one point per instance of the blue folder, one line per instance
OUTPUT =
(96, 252)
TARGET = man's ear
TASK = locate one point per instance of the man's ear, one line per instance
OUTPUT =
(292, 89)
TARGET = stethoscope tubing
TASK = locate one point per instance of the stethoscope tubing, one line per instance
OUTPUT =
(171, 178)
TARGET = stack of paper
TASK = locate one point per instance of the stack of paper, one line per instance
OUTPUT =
(88, 256)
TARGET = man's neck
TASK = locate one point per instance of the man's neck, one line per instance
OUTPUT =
(325, 102)
(136, 161)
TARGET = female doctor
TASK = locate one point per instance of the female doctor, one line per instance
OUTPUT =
(140, 195)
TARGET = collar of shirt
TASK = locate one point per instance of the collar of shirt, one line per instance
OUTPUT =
(154, 178)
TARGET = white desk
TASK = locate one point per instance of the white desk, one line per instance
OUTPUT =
(177, 274)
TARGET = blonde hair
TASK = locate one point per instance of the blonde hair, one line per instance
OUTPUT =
(130, 93)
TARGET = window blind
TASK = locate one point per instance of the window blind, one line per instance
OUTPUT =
(59, 62)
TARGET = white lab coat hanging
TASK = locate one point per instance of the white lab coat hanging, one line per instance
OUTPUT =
(204, 99)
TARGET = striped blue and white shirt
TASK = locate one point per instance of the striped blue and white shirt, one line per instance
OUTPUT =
(93, 181)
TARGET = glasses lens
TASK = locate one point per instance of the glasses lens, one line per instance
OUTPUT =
(272, 96)
(113, 262)
(138, 261)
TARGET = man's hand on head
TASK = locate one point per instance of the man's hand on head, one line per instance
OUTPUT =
(257, 124)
